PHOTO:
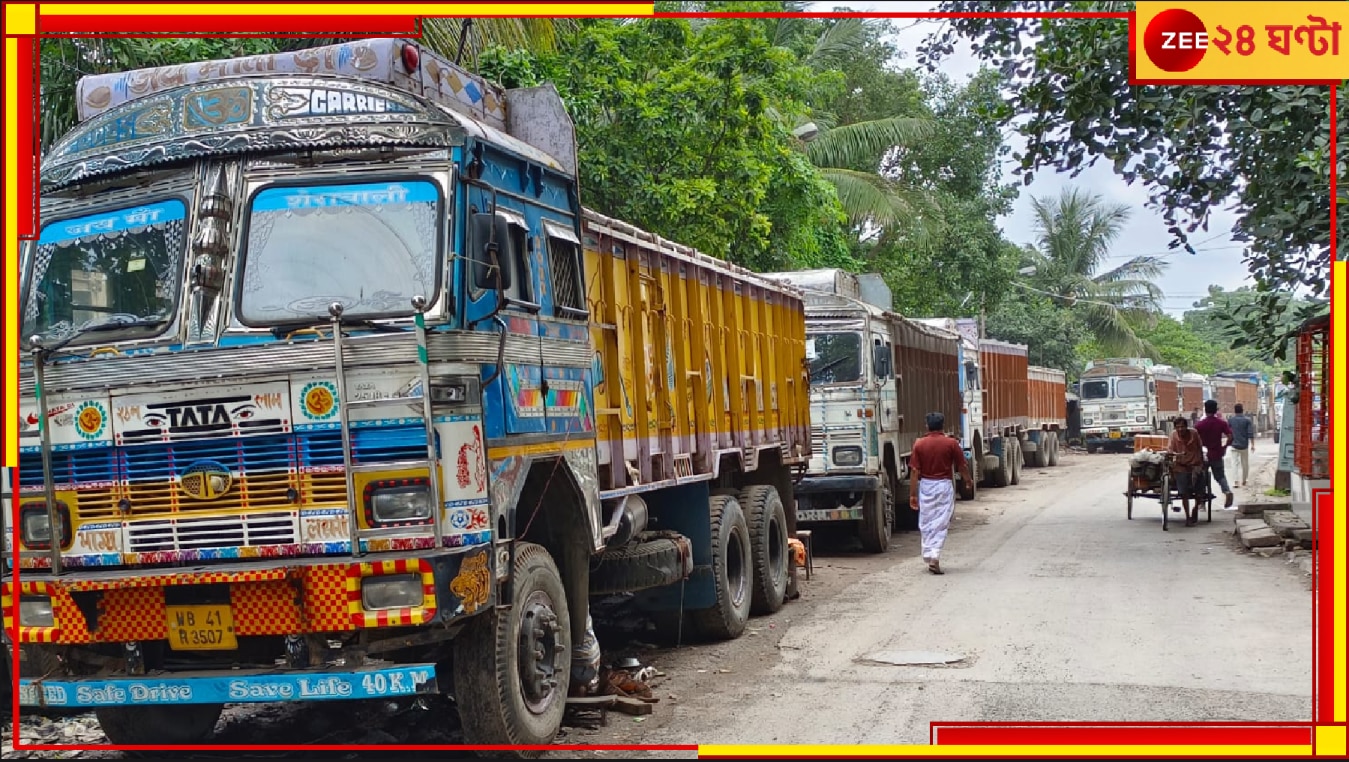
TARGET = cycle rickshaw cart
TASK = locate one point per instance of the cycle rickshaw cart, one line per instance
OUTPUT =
(1151, 478)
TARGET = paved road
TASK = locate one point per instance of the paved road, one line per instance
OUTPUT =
(1059, 607)
(1056, 606)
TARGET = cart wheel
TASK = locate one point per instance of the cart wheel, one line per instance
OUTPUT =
(1166, 501)
(1129, 496)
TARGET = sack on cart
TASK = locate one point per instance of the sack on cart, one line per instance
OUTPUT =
(1147, 466)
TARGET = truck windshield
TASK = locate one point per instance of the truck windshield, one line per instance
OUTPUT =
(1130, 387)
(370, 246)
(835, 358)
(1095, 390)
(122, 266)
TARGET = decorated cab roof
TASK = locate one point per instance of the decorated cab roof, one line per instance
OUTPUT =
(369, 93)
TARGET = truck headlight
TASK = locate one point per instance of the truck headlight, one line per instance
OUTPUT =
(1088, 421)
(36, 612)
(392, 592)
(1141, 418)
(36, 529)
(398, 501)
(848, 456)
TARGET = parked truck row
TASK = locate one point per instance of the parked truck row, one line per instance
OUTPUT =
(335, 390)
(874, 377)
(1124, 397)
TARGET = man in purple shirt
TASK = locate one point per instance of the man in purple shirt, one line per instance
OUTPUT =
(1212, 431)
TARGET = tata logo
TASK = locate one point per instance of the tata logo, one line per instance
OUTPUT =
(205, 480)
(201, 416)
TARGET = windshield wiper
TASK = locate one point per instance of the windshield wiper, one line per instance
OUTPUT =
(115, 324)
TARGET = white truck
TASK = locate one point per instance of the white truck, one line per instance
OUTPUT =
(874, 376)
(1119, 401)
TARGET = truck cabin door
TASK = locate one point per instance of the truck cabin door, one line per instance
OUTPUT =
(887, 383)
(500, 288)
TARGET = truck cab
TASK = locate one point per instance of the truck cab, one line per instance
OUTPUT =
(854, 470)
(1119, 401)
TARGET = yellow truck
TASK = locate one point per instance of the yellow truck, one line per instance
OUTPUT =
(334, 390)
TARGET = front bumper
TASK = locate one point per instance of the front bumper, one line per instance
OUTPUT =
(834, 485)
(1108, 438)
(815, 485)
(290, 597)
(234, 687)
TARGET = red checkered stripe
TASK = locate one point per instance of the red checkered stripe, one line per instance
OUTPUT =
(325, 598)
(408, 615)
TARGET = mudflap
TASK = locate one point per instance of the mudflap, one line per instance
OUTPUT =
(683, 509)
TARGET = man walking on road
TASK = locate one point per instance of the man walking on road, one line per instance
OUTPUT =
(1243, 444)
(1187, 466)
(934, 459)
(1212, 431)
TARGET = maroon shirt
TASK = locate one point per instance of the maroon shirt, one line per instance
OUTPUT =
(935, 456)
(1211, 430)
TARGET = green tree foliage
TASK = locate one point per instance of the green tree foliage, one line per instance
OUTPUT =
(1262, 151)
(1219, 317)
(682, 132)
(1075, 233)
(1051, 334)
(963, 263)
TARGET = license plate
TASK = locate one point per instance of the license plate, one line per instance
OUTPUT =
(1114, 435)
(201, 628)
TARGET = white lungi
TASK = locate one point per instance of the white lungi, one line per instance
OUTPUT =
(936, 505)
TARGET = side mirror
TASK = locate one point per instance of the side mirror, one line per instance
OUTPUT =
(481, 250)
(881, 362)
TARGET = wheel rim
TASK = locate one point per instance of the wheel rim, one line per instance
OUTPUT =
(777, 552)
(735, 569)
(542, 652)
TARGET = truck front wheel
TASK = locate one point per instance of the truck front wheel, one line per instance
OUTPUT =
(511, 667)
(134, 725)
(878, 518)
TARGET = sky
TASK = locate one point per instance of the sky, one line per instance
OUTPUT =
(1218, 258)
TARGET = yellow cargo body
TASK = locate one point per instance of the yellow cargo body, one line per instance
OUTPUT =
(699, 365)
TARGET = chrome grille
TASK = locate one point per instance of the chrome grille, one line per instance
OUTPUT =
(249, 530)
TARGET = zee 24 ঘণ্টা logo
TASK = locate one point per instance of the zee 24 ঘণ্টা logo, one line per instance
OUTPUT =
(1176, 40)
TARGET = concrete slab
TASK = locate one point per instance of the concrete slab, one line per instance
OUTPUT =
(1262, 538)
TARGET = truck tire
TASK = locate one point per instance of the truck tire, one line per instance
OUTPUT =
(1030, 454)
(878, 518)
(1014, 468)
(502, 699)
(154, 724)
(999, 476)
(1053, 448)
(1091, 449)
(650, 561)
(1042, 451)
(767, 521)
(732, 566)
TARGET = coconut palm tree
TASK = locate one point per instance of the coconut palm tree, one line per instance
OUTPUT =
(1075, 233)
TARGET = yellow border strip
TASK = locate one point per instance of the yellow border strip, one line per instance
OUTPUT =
(1339, 348)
